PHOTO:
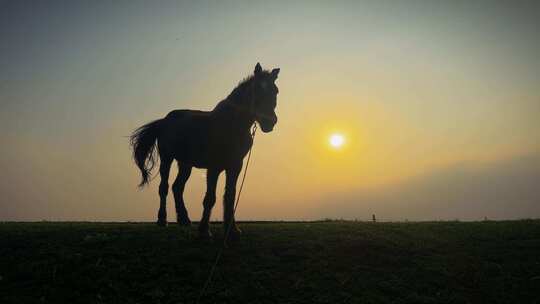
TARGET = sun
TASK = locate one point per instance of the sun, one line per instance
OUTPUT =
(336, 140)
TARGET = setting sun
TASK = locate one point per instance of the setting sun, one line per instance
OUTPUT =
(336, 140)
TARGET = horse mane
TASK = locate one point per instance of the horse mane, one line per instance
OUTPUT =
(237, 94)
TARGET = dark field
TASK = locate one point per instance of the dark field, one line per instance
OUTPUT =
(312, 262)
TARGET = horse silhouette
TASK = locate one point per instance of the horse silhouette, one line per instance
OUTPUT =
(216, 140)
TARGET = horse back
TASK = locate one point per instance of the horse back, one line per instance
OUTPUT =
(183, 134)
(201, 139)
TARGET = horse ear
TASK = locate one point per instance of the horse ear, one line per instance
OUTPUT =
(258, 68)
(274, 73)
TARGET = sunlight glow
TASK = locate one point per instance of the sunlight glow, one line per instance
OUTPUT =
(336, 140)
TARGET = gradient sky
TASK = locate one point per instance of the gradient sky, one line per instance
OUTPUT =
(439, 102)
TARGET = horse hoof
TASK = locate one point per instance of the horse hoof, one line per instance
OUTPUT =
(162, 223)
(234, 234)
(184, 222)
(236, 230)
(205, 235)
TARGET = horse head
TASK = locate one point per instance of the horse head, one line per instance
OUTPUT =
(265, 97)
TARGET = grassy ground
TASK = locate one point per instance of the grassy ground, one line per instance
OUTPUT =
(317, 262)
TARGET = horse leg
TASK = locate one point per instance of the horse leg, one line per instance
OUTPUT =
(164, 167)
(229, 200)
(209, 201)
(184, 171)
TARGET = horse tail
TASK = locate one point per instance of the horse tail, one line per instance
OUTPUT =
(143, 141)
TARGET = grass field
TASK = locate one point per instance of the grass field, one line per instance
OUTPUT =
(311, 262)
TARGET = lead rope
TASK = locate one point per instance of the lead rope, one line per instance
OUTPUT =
(220, 252)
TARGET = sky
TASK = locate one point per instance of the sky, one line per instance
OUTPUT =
(438, 102)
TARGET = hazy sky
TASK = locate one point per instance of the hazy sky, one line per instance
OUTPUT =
(439, 102)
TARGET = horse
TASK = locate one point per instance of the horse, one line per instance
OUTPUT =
(216, 140)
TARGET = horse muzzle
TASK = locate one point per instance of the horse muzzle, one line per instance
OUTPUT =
(267, 122)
